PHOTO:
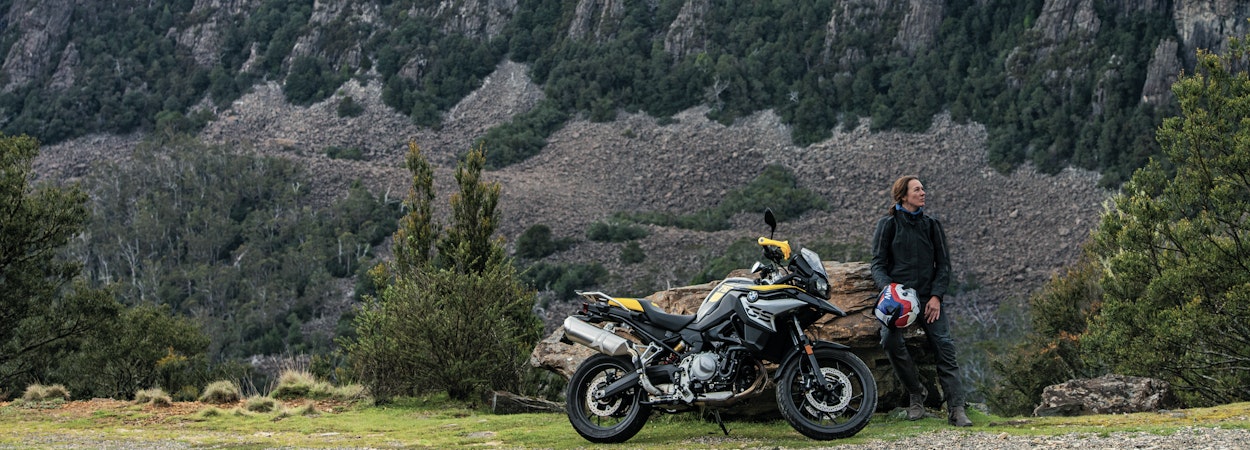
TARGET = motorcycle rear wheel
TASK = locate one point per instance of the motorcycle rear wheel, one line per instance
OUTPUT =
(823, 415)
(610, 420)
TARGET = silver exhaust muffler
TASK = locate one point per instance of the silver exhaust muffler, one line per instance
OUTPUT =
(578, 331)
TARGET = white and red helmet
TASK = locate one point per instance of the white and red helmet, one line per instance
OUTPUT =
(897, 307)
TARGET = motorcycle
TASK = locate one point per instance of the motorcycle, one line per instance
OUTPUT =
(717, 357)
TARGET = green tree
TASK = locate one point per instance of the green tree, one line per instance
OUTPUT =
(137, 350)
(1176, 247)
(42, 310)
(467, 246)
(1051, 351)
(459, 321)
(414, 241)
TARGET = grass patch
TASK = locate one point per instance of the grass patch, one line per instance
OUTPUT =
(435, 422)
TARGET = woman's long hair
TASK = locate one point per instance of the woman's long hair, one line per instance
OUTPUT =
(898, 192)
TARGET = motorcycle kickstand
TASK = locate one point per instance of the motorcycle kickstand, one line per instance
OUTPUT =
(716, 414)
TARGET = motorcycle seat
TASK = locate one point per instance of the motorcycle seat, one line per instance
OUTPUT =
(670, 322)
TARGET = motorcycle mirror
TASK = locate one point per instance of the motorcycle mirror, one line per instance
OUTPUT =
(771, 220)
(757, 267)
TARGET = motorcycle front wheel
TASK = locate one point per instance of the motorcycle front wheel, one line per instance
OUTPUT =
(827, 414)
(605, 420)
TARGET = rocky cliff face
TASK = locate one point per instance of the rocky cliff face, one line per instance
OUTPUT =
(688, 34)
(920, 26)
(596, 19)
(480, 19)
(1164, 69)
(865, 16)
(1205, 24)
(43, 26)
(203, 37)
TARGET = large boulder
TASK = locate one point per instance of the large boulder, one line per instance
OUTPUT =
(851, 289)
(1109, 394)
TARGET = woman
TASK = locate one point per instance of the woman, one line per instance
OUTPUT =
(909, 248)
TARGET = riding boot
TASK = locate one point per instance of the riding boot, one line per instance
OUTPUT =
(916, 410)
(958, 417)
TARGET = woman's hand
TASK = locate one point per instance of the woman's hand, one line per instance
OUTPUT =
(932, 310)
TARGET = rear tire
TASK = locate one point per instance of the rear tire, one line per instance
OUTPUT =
(825, 415)
(610, 420)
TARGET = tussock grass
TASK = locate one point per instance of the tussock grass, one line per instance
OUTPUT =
(221, 392)
(261, 404)
(297, 384)
(40, 393)
(154, 396)
(209, 413)
(306, 410)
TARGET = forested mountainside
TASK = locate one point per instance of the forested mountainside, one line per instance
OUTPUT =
(624, 134)
(1057, 82)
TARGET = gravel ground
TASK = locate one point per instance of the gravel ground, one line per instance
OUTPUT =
(1193, 438)
(1186, 438)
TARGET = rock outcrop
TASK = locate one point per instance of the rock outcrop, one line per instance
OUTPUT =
(1109, 394)
(204, 38)
(479, 19)
(920, 26)
(42, 26)
(1164, 69)
(851, 290)
(333, 20)
(596, 19)
(856, 16)
(1206, 24)
(687, 35)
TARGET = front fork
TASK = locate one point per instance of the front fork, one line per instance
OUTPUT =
(804, 345)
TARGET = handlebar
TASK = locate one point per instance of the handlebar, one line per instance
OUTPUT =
(769, 244)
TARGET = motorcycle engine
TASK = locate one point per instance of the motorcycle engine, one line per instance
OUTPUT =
(702, 373)
(701, 366)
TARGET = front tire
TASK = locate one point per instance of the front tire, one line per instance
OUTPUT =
(825, 415)
(610, 420)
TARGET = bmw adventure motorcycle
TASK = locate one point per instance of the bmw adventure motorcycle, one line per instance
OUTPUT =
(717, 357)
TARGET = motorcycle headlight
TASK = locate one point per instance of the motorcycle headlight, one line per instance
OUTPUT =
(822, 287)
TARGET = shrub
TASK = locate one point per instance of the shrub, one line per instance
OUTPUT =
(775, 187)
(564, 279)
(187, 393)
(631, 253)
(614, 231)
(155, 396)
(348, 153)
(221, 392)
(260, 404)
(738, 255)
(536, 243)
(349, 108)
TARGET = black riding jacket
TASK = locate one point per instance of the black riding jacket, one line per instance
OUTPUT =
(910, 249)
